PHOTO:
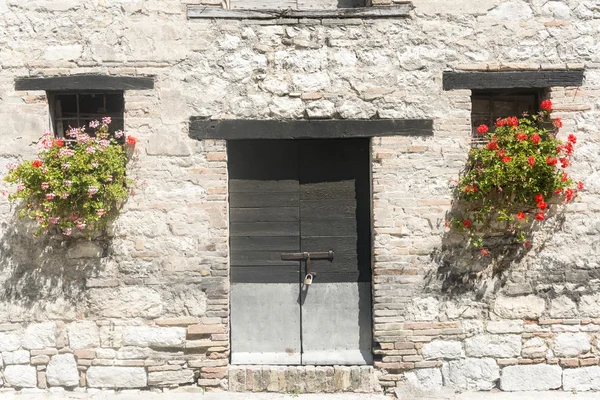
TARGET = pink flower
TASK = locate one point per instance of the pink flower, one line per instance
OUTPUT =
(119, 134)
(54, 220)
(65, 165)
(81, 225)
(106, 120)
(67, 182)
(94, 124)
(92, 190)
(101, 212)
(95, 164)
(64, 196)
(45, 185)
(50, 196)
(90, 150)
(11, 165)
(20, 187)
(68, 232)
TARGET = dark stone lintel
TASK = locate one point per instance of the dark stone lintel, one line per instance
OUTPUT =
(398, 10)
(512, 79)
(236, 129)
(85, 82)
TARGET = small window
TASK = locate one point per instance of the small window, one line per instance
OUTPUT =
(489, 105)
(78, 109)
(294, 4)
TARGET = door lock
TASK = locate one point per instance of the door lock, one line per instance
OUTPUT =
(307, 257)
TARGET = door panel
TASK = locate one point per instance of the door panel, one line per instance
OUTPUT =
(336, 323)
(264, 222)
(265, 323)
(336, 308)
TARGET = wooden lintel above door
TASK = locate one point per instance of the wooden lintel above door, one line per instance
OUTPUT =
(237, 129)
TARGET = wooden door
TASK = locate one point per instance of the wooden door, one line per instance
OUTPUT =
(291, 197)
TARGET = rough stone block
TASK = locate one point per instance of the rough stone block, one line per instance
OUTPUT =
(168, 378)
(520, 307)
(589, 305)
(442, 349)
(571, 344)
(125, 302)
(426, 379)
(40, 336)
(531, 377)
(15, 357)
(116, 377)
(471, 373)
(62, 371)
(581, 379)
(20, 376)
(505, 326)
(147, 336)
(563, 307)
(9, 342)
(501, 346)
(83, 335)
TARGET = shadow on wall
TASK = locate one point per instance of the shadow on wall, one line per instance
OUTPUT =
(44, 278)
(462, 268)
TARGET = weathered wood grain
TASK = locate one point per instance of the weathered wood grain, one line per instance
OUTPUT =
(86, 82)
(512, 79)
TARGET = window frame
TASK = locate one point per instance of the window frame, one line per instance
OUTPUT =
(539, 94)
(52, 95)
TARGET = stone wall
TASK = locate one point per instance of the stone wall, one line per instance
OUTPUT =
(148, 306)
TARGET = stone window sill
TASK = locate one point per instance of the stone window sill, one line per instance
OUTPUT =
(400, 10)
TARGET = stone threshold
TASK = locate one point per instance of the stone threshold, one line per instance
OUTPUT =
(303, 379)
(400, 10)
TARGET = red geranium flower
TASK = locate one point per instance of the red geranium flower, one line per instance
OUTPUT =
(531, 160)
(542, 205)
(546, 105)
(564, 177)
(36, 163)
(569, 148)
(467, 223)
(527, 243)
(484, 252)
(521, 137)
(557, 123)
(538, 198)
(506, 159)
(551, 160)
(512, 121)
(521, 215)
(540, 216)
(564, 162)
(572, 138)
(580, 185)
(535, 138)
(482, 129)
(500, 122)
(558, 191)
(493, 145)
(59, 142)
(131, 140)
(570, 193)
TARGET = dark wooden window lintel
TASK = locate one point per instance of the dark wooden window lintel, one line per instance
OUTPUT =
(85, 82)
(512, 79)
(236, 129)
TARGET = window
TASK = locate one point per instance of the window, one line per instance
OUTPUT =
(77, 109)
(294, 4)
(489, 105)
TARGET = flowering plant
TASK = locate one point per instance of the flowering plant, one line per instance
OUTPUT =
(514, 177)
(73, 184)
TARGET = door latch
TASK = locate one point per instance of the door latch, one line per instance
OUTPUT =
(307, 257)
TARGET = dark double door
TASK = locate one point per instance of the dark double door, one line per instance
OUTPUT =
(297, 198)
